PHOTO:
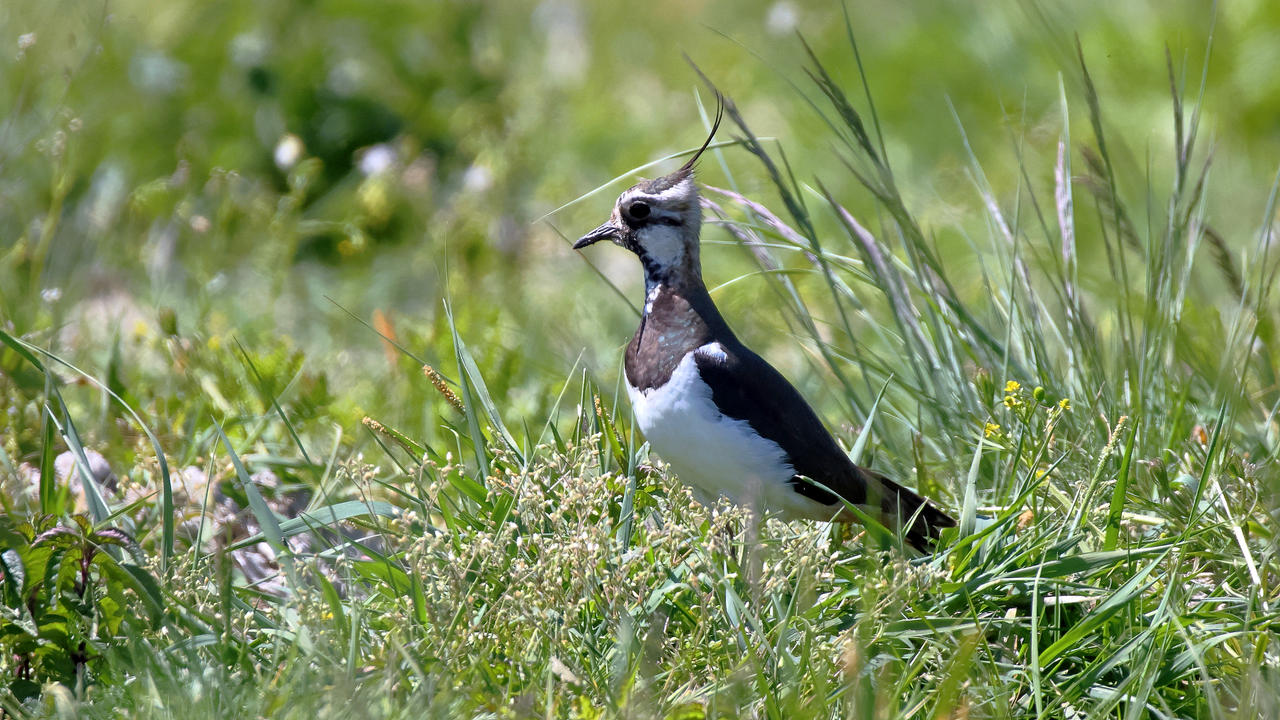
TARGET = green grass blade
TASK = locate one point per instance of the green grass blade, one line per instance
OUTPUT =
(860, 445)
(98, 509)
(1123, 597)
(266, 518)
(323, 517)
(166, 487)
(1120, 492)
(969, 506)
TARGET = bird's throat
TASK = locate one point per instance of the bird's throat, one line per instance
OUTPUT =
(679, 296)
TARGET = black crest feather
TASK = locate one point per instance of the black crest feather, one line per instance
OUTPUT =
(688, 166)
(666, 182)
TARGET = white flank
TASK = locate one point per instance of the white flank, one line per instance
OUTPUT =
(717, 455)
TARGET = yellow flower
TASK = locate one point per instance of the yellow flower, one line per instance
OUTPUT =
(1012, 386)
(1064, 403)
(1010, 401)
(990, 429)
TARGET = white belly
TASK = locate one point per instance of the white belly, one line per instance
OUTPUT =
(717, 455)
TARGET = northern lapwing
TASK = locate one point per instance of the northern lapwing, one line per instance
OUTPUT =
(725, 420)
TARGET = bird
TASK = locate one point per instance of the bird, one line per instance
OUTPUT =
(725, 421)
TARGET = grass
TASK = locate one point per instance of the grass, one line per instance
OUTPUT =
(1086, 376)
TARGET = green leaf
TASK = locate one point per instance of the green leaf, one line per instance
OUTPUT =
(49, 496)
(257, 505)
(119, 538)
(860, 445)
(166, 487)
(1088, 563)
(21, 348)
(145, 587)
(88, 484)
(325, 516)
(331, 598)
(395, 579)
(59, 535)
(969, 509)
(1116, 509)
(470, 488)
(475, 385)
(268, 397)
(468, 400)
(687, 711)
(24, 690)
(1116, 602)
(15, 573)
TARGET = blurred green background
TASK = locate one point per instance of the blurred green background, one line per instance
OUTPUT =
(185, 175)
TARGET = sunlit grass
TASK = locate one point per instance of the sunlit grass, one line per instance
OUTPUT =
(1089, 385)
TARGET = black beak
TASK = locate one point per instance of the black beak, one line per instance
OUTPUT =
(607, 231)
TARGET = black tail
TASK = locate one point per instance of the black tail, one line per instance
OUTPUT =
(921, 522)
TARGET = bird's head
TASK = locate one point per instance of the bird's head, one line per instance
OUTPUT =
(658, 220)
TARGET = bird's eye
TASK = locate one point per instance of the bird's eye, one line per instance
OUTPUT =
(638, 210)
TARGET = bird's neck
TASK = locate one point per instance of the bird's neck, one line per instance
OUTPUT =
(670, 258)
(678, 291)
(683, 276)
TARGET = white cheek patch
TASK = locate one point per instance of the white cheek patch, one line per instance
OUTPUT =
(663, 244)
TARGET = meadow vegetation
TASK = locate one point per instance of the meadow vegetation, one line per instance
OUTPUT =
(309, 411)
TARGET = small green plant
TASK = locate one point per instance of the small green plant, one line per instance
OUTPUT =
(70, 592)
